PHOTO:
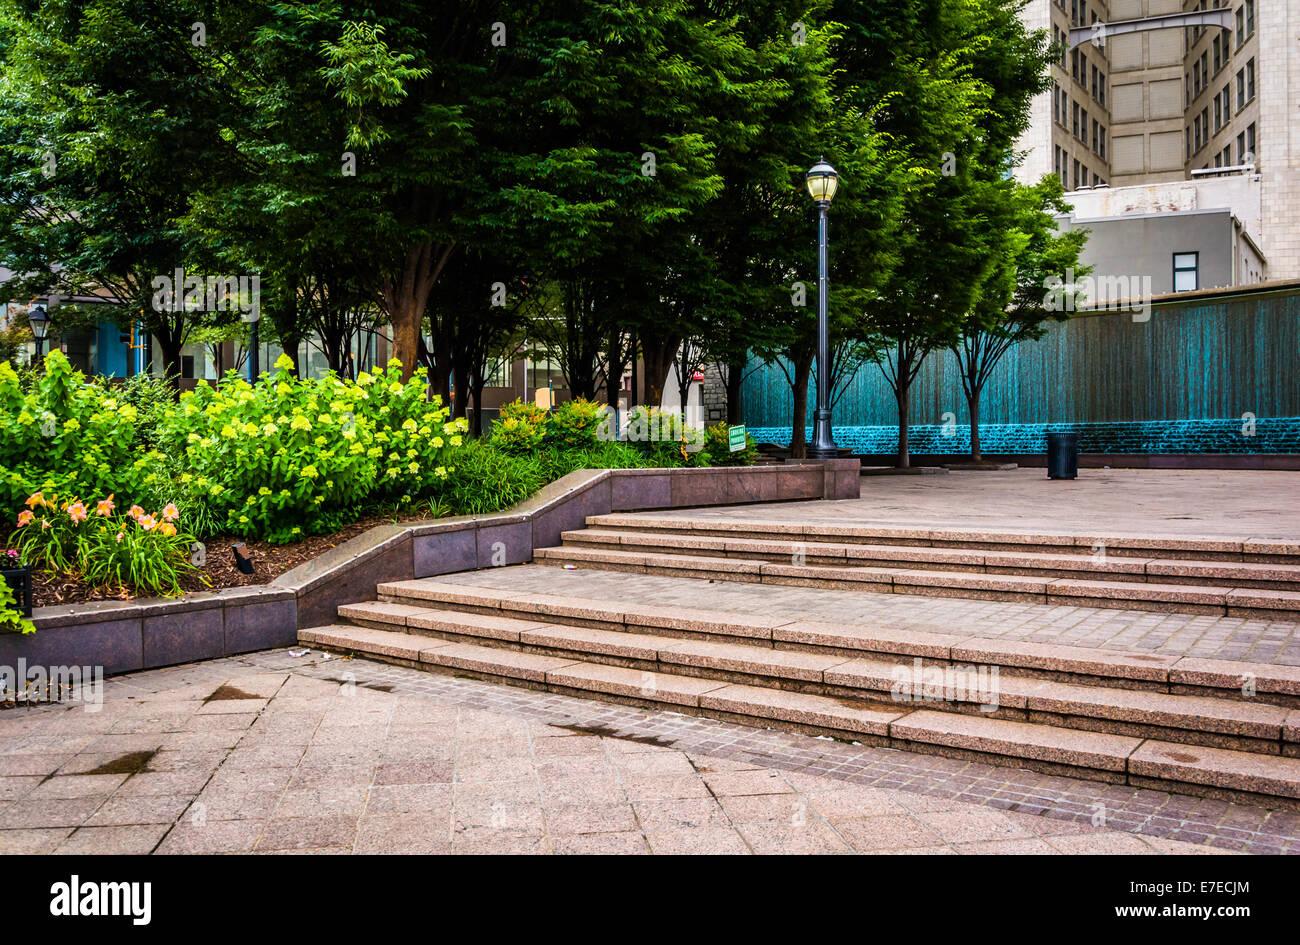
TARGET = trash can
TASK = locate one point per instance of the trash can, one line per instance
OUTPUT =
(1062, 455)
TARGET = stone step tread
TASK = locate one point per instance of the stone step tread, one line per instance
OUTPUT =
(433, 618)
(675, 542)
(1276, 775)
(1155, 668)
(1191, 594)
(1032, 740)
(1192, 764)
(1047, 561)
(1230, 544)
(878, 677)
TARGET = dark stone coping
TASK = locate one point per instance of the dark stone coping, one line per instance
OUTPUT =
(123, 636)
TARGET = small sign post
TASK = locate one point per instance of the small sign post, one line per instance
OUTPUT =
(736, 438)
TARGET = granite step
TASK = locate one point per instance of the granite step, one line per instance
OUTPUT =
(1125, 595)
(1035, 745)
(972, 687)
(1059, 565)
(1221, 548)
(1149, 672)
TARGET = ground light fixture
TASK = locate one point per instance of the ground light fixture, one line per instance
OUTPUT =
(822, 182)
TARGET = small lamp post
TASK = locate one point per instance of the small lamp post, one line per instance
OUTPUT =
(254, 368)
(39, 321)
(822, 182)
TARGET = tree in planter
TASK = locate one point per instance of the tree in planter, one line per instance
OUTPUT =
(109, 124)
(1012, 305)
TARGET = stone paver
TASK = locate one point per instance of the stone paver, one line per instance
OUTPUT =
(355, 756)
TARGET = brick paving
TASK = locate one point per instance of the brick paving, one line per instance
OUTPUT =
(1211, 637)
(275, 753)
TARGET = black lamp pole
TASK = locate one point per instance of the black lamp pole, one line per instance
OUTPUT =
(822, 181)
(39, 321)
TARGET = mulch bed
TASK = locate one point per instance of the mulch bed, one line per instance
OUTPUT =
(269, 562)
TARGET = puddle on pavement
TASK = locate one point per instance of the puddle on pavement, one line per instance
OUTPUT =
(604, 731)
(130, 763)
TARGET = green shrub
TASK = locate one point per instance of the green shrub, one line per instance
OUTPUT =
(11, 620)
(288, 457)
(485, 479)
(60, 434)
(575, 425)
(717, 443)
(519, 429)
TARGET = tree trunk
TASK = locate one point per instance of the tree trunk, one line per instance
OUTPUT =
(735, 390)
(405, 295)
(973, 406)
(291, 346)
(476, 392)
(171, 355)
(799, 420)
(659, 356)
(462, 395)
(904, 395)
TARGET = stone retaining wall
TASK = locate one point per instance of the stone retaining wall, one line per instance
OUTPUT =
(122, 636)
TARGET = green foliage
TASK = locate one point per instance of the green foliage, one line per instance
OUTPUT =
(574, 425)
(62, 435)
(288, 457)
(520, 428)
(12, 339)
(11, 621)
(136, 550)
(717, 445)
(487, 480)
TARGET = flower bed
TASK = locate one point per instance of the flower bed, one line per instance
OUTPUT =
(275, 464)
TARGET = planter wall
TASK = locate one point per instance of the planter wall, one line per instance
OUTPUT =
(122, 636)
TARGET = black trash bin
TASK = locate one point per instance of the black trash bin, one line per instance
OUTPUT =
(1062, 455)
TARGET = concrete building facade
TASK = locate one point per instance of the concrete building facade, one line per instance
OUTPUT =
(1149, 94)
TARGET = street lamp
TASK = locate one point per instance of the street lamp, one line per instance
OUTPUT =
(39, 320)
(822, 181)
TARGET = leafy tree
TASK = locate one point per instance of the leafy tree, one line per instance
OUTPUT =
(1012, 305)
(110, 121)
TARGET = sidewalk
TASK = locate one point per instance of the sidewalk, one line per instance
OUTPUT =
(273, 753)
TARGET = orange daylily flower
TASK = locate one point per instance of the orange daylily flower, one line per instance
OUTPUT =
(35, 499)
(24, 517)
(77, 512)
(105, 507)
(171, 513)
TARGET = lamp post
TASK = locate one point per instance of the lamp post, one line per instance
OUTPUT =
(822, 181)
(39, 321)
(253, 367)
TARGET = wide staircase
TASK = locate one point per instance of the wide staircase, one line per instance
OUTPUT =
(1221, 728)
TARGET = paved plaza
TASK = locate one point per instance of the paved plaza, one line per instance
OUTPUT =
(280, 753)
(1150, 502)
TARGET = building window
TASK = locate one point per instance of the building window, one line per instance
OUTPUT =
(1074, 119)
(1218, 115)
(498, 373)
(1076, 175)
(1190, 152)
(1250, 18)
(1102, 87)
(1186, 266)
(1083, 128)
(1250, 81)
(1226, 97)
(1241, 26)
(1251, 151)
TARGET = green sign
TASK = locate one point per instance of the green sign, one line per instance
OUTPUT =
(736, 438)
